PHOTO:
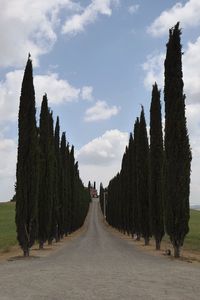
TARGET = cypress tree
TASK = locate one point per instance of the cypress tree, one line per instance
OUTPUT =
(46, 174)
(156, 167)
(101, 196)
(27, 165)
(57, 181)
(129, 186)
(143, 179)
(63, 185)
(67, 221)
(72, 186)
(177, 148)
(53, 228)
(135, 177)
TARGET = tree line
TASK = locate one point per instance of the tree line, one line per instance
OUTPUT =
(150, 195)
(51, 200)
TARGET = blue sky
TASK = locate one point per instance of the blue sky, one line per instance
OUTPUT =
(97, 61)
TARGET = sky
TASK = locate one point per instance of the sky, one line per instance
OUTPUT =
(97, 61)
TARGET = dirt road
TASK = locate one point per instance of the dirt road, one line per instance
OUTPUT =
(99, 265)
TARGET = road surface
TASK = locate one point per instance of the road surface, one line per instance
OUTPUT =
(99, 265)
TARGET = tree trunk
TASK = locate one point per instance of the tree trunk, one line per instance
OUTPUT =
(50, 241)
(177, 251)
(26, 252)
(41, 245)
(146, 241)
(157, 244)
(138, 237)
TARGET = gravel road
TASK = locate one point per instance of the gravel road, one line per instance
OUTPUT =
(99, 265)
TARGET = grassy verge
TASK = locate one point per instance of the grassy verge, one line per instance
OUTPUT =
(7, 226)
(192, 240)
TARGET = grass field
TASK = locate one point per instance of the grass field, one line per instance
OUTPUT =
(192, 240)
(8, 229)
(7, 226)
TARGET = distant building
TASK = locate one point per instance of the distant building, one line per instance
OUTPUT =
(93, 191)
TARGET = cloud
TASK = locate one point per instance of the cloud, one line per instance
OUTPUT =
(100, 111)
(58, 91)
(191, 61)
(105, 149)
(188, 15)
(193, 121)
(78, 22)
(100, 159)
(86, 93)
(33, 26)
(29, 26)
(133, 8)
(154, 69)
(8, 150)
(9, 95)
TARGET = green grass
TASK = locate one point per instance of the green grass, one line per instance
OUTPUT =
(7, 226)
(192, 240)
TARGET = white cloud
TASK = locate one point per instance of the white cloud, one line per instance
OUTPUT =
(153, 67)
(100, 111)
(188, 15)
(133, 8)
(9, 95)
(29, 26)
(8, 150)
(86, 93)
(58, 91)
(193, 121)
(191, 61)
(100, 159)
(105, 149)
(78, 22)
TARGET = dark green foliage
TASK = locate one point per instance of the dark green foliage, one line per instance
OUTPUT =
(27, 165)
(143, 179)
(46, 192)
(54, 223)
(101, 196)
(177, 148)
(51, 200)
(63, 185)
(128, 192)
(56, 210)
(136, 205)
(156, 167)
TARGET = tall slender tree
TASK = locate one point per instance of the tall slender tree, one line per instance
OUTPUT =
(177, 148)
(53, 229)
(136, 210)
(27, 165)
(45, 202)
(156, 167)
(72, 187)
(63, 185)
(143, 179)
(57, 200)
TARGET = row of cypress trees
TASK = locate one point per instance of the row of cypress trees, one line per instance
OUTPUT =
(150, 195)
(51, 200)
